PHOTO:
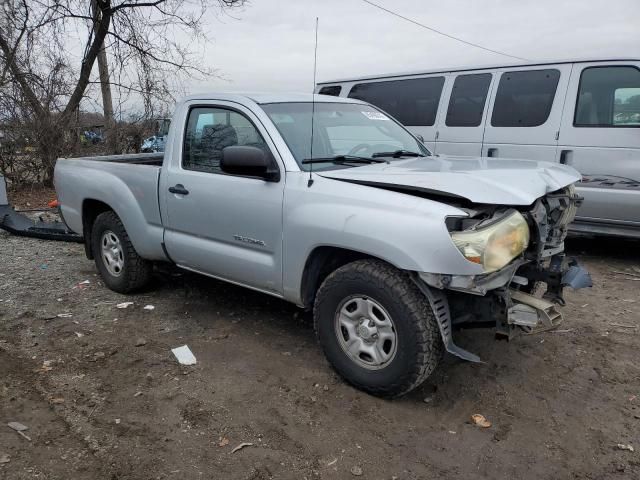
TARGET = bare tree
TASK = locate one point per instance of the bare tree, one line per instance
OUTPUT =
(141, 36)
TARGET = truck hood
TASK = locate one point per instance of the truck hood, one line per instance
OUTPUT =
(502, 181)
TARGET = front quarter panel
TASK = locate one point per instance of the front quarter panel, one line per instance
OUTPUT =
(407, 231)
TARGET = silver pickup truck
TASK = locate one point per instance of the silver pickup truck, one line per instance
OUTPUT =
(331, 204)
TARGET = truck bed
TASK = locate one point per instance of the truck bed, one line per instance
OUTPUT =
(131, 158)
(128, 184)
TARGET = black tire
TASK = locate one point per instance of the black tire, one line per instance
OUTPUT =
(136, 271)
(419, 345)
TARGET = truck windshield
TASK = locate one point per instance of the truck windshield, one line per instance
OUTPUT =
(341, 129)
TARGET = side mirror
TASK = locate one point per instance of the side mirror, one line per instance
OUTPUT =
(248, 161)
(420, 137)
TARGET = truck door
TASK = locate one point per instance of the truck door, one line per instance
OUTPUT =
(226, 226)
(462, 119)
(600, 137)
(526, 110)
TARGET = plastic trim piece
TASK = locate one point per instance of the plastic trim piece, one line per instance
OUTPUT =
(440, 306)
(17, 224)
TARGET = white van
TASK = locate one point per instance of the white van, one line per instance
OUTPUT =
(583, 113)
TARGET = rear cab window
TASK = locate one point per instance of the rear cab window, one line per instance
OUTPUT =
(413, 102)
(608, 97)
(524, 98)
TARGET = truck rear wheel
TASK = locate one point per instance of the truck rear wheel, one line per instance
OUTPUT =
(120, 266)
(376, 328)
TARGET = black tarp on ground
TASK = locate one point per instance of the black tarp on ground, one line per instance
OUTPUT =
(18, 224)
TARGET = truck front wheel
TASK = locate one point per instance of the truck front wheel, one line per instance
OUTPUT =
(120, 266)
(376, 328)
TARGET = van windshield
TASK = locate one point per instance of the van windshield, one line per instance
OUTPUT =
(340, 129)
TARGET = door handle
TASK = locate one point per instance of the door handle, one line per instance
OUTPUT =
(491, 152)
(179, 190)
(564, 156)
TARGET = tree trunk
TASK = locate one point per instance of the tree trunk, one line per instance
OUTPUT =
(111, 136)
(50, 144)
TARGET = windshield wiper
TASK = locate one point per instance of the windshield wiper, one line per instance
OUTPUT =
(341, 159)
(398, 154)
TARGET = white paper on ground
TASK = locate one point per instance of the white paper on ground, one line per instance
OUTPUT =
(184, 355)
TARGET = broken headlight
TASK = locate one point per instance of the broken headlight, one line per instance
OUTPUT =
(495, 245)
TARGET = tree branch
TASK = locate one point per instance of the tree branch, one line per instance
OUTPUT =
(135, 5)
(101, 30)
(20, 76)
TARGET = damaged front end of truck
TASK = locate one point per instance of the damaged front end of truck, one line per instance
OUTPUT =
(521, 250)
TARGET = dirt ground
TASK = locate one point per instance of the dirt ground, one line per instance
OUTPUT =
(104, 398)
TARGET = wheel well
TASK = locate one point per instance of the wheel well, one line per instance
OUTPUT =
(90, 211)
(320, 264)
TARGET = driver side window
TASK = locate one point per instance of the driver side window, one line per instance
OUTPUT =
(209, 131)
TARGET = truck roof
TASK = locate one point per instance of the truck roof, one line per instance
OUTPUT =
(477, 67)
(263, 98)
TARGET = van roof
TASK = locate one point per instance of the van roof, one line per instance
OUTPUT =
(477, 67)
(263, 98)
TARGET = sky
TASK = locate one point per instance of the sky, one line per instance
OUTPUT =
(268, 45)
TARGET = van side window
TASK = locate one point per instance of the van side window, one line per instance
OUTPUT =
(413, 102)
(468, 97)
(608, 97)
(209, 130)
(333, 90)
(524, 98)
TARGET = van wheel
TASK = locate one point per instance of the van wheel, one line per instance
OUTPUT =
(376, 328)
(120, 266)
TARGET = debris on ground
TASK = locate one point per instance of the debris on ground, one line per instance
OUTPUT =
(141, 342)
(149, 307)
(332, 462)
(82, 285)
(241, 446)
(124, 305)
(46, 367)
(20, 428)
(622, 446)
(223, 442)
(356, 471)
(4, 458)
(64, 315)
(184, 355)
(480, 420)
(137, 394)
